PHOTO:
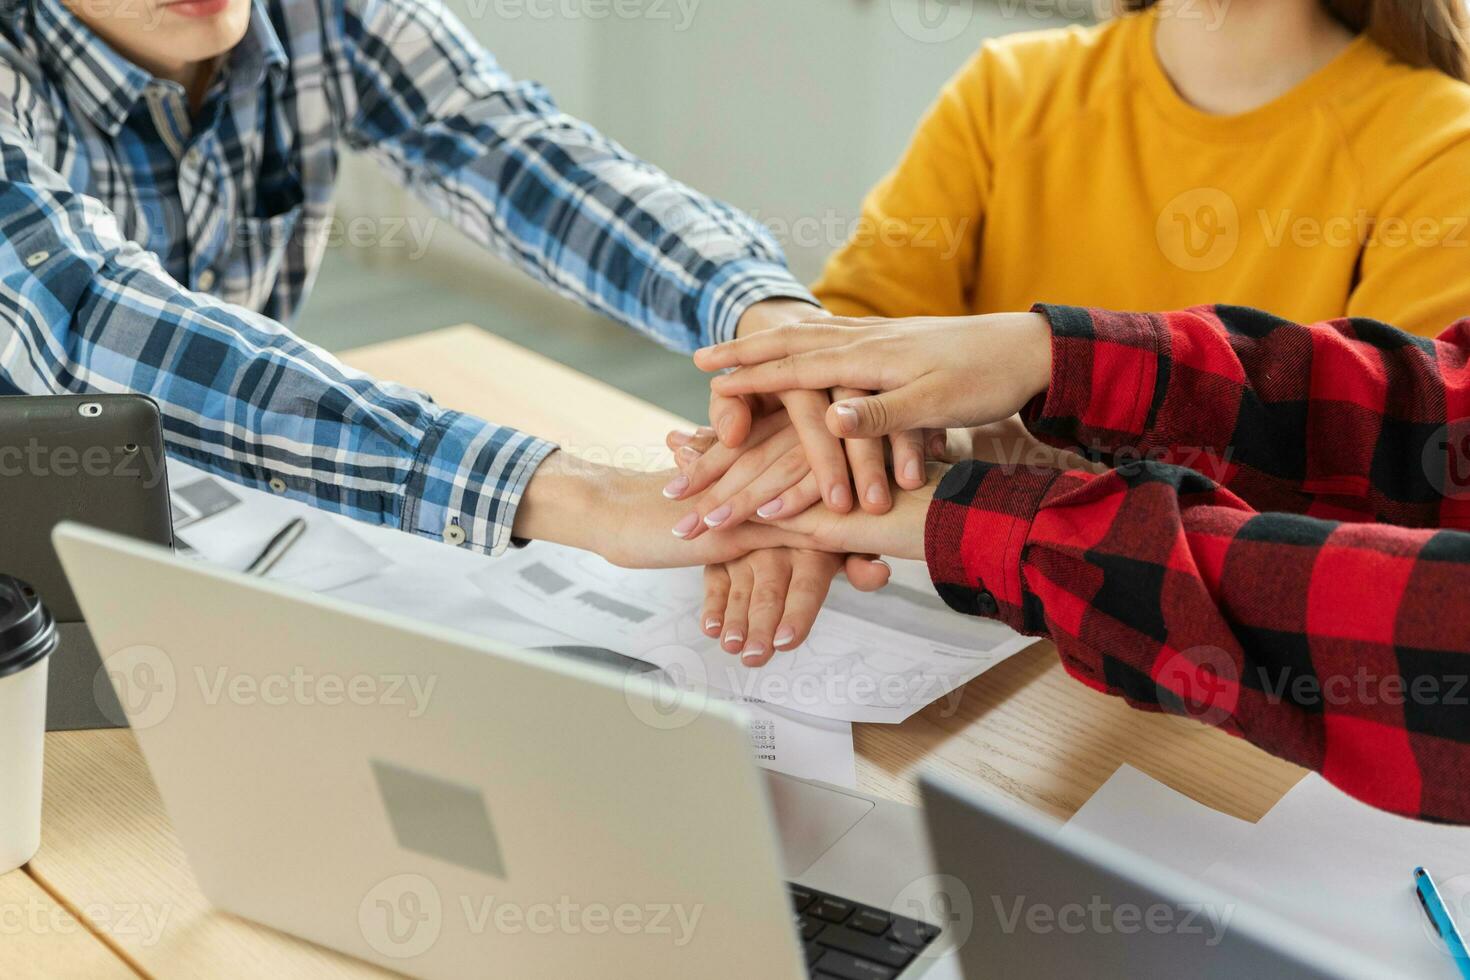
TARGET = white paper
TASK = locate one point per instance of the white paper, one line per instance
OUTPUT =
(1345, 870)
(1319, 859)
(786, 741)
(875, 657)
(427, 581)
(800, 745)
(328, 553)
(1147, 817)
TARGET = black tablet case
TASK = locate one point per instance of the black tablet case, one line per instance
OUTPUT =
(95, 459)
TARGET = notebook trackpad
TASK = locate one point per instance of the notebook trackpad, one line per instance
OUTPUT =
(810, 819)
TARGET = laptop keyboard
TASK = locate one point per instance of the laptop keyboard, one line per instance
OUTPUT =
(847, 940)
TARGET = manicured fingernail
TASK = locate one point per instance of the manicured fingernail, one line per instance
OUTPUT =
(784, 636)
(880, 561)
(877, 494)
(847, 418)
(686, 524)
(752, 653)
(718, 516)
(937, 446)
(681, 438)
(676, 487)
(734, 639)
(770, 509)
(689, 453)
(721, 427)
(712, 625)
(913, 471)
(839, 497)
(703, 351)
(704, 432)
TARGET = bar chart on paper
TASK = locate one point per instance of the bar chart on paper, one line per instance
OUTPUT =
(872, 657)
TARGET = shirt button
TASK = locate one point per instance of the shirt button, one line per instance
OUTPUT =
(985, 603)
(36, 258)
(206, 280)
(453, 534)
(277, 485)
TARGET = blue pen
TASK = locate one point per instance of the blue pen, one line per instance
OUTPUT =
(1439, 917)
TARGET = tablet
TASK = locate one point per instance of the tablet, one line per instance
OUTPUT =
(95, 459)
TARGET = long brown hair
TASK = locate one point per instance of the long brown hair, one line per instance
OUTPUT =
(1422, 33)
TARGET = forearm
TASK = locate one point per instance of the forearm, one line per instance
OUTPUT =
(771, 313)
(565, 500)
(1316, 409)
(1160, 587)
(240, 396)
(621, 515)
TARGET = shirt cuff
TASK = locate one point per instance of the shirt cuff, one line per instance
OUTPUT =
(467, 481)
(975, 539)
(1104, 378)
(737, 287)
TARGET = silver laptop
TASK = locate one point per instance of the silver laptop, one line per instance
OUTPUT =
(430, 802)
(1024, 902)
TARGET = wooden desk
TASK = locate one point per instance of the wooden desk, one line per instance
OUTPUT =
(110, 857)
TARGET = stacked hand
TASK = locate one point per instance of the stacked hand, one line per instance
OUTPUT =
(770, 456)
(769, 599)
(928, 372)
(742, 501)
(820, 472)
(945, 386)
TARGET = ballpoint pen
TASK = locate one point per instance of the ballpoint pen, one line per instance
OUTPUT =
(276, 547)
(1439, 917)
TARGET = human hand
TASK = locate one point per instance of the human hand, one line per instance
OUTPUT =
(900, 532)
(767, 475)
(897, 534)
(928, 372)
(735, 419)
(768, 600)
(620, 515)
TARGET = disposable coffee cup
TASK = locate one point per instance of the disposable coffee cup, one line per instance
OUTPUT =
(27, 638)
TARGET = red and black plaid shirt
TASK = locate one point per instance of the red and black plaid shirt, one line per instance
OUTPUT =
(1273, 551)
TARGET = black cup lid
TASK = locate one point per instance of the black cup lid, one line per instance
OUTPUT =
(27, 631)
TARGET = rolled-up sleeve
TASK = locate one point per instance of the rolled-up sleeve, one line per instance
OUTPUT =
(82, 309)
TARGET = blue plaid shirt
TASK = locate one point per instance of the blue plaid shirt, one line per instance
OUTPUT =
(149, 249)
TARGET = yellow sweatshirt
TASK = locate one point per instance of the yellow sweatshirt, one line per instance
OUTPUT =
(1063, 167)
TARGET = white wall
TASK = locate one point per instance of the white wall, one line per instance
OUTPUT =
(789, 109)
